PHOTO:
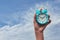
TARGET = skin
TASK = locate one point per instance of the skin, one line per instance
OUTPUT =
(39, 29)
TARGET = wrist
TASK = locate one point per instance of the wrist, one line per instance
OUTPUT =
(37, 31)
(39, 35)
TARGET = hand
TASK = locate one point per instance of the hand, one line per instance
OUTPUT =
(39, 28)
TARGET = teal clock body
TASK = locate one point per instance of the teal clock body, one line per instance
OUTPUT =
(41, 16)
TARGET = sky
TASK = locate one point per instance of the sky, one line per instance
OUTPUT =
(16, 19)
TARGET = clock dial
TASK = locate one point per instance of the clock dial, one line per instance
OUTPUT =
(42, 18)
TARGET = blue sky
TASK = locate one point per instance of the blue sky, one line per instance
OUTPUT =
(12, 7)
(16, 19)
(9, 7)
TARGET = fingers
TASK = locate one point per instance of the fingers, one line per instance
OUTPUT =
(48, 16)
(49, 19)
(49, 22)
(34, 18)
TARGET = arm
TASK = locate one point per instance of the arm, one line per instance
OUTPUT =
(39, 29)
(39, 35)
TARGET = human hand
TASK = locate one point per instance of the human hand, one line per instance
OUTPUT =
(38, 27)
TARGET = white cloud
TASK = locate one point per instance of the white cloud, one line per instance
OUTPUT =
(26, 31)
(20, 31)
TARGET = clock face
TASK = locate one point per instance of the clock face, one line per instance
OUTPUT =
(42, 18)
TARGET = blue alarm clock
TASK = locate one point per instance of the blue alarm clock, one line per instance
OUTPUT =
(41, 16)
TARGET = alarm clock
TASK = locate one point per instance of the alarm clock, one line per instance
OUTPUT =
(41, 16)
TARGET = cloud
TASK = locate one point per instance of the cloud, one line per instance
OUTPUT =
(21, 31)
(24, 30)
(17, 32)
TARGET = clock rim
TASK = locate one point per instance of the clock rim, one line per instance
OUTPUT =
(40, 22)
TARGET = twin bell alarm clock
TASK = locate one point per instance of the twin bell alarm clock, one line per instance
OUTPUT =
(42, 16)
